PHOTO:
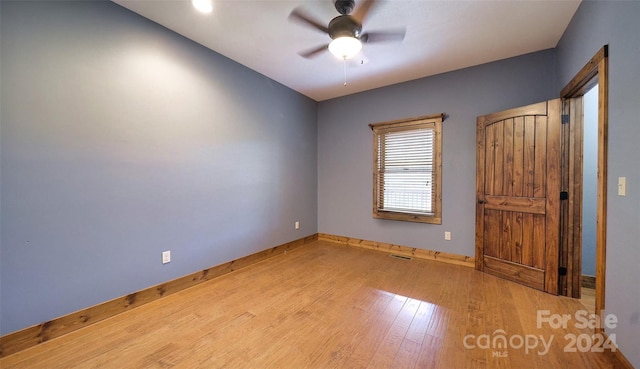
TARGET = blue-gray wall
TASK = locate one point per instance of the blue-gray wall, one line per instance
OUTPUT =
(345, 157)
(615, 23)
(590, 182)
(121, 139)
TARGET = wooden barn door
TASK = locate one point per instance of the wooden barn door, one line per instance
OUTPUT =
(518, 194)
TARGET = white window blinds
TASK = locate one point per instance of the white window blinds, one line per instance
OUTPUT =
(407, 169)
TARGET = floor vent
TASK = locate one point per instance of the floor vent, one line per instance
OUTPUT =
(400, 257)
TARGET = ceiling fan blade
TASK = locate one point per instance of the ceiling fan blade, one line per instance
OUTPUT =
(313, 52)
(362, 11)
(301, 17)
(383, 36)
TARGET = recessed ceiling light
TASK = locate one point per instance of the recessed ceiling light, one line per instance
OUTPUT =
(204, 6)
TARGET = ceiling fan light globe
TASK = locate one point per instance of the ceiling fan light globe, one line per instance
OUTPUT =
(345, 47)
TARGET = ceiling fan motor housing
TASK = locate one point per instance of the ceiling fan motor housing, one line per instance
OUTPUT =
(344, 26)
(345, 6)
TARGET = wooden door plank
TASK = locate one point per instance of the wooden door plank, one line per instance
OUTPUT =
(491, 232)
(527, 239)
(529, 155)
(540, 158)
(498, 147)
(533, 205)
(538, 250)
(528, 276)
(516, 237)
(507, 165)
(506, 242)
(518, 156)
(490, 159)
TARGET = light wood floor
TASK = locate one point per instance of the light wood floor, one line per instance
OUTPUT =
(588, 299)
(325, 306)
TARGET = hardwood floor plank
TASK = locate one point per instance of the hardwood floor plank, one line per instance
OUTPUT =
(375, 334)
(410, 348)
(390, 345)
(365, 325)
(429, 355)
(337, 346)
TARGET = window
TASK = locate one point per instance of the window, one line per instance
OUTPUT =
(407, 164)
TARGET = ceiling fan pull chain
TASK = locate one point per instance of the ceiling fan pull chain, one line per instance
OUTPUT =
(344, 61)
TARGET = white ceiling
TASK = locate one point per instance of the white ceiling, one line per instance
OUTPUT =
(441, 36)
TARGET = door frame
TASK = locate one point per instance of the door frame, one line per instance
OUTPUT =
(596, 71)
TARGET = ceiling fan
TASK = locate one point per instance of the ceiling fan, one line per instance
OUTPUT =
(345, 30)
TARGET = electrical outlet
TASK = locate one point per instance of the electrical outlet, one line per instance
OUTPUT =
(297, 225)
(166, 257)
(447, 236)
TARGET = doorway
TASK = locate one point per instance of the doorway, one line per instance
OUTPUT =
(589, 197)
(578, 228)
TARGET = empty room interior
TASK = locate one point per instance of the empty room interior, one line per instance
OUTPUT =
(212, 188)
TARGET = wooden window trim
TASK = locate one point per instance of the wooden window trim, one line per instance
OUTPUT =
(435, 120)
